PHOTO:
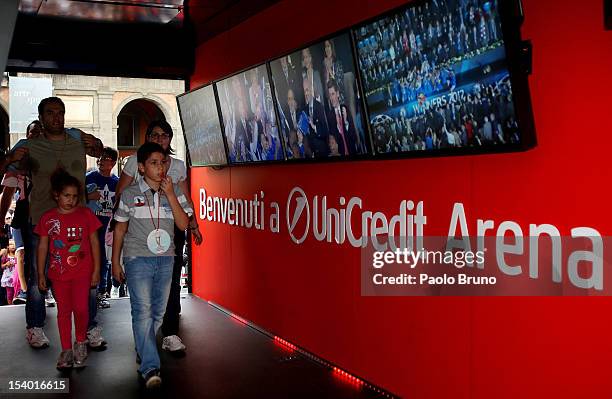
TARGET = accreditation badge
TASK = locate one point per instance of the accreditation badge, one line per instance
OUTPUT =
(158, 241)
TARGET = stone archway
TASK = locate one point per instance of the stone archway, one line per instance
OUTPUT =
(131, 123)
(167, 107)
(161, 104)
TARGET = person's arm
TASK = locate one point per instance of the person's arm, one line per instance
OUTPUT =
(93, 196)
(19, 255)
(118, 235)
(93, 145)
(95, 254)
(15, 155)
(41, 258)
(180, 217)
(5, 201)
(193, 221)
(124, 181)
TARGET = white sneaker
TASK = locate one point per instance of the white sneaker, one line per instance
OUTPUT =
(49, 300)
(173, 343)
(115, 292)
(36, 337)
(103, 303)
(94, 337)
(65, 360)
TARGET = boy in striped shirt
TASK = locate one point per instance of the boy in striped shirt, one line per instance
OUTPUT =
(147, 213)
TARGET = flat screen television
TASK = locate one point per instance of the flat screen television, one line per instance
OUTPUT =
(444, 76)
(202, 127)
(249, 117)
(318, 101)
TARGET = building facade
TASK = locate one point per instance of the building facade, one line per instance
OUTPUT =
(117, 110)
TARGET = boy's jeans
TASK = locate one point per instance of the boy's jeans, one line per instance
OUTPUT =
(149, 279)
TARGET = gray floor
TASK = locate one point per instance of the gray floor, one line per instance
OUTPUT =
(225, 359)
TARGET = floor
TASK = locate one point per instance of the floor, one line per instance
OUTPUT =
(224, 359)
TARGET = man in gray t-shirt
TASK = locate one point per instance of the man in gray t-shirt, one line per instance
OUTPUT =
(57, 147)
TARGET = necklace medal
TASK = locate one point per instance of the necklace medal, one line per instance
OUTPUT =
(158, 240)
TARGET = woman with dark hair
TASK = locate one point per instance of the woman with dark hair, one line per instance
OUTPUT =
(332, 67)
(160, 132)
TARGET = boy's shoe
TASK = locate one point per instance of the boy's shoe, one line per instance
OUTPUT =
(80, 354)
(65, 360)
(36, 338)
(20, 299)
(103, 303)
(94, 337)
(173, 343)
(151, 380)
(49, 300)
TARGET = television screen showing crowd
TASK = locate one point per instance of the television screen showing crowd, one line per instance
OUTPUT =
(202, 128)
(318, 101)
(435, 77)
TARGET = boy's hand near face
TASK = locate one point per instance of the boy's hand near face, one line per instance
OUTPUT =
(167, 188)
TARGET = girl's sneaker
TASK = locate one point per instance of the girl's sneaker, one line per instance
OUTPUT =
(80, 354)
(49, 300)
(65, 360)
(20, 299)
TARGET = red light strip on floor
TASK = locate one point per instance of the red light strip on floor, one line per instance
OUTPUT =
(240, 319)
(285, 343)
(338, 372)
(349, 377)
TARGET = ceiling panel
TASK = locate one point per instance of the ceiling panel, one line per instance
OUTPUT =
(139, 38)
(150, 11)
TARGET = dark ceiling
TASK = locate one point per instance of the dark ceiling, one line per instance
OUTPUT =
(137, 38)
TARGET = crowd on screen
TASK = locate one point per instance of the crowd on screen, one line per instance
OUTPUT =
(486, 116)
(412, 52)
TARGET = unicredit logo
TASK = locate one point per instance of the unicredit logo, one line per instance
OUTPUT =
(297, 209)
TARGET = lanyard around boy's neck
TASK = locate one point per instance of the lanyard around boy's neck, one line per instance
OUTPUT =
(150, 212)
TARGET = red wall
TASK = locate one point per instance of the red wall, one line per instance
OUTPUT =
(430, 347)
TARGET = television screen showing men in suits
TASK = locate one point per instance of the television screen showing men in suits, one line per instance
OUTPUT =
(318, 101)
(435, 76)
(249, 117)
(202, 128)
